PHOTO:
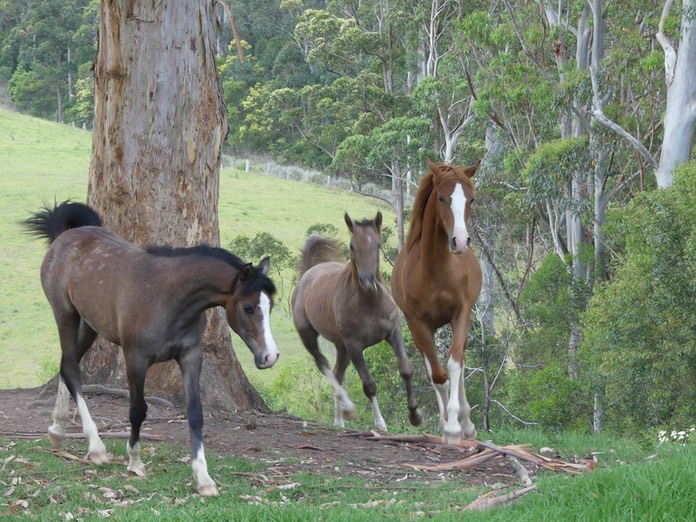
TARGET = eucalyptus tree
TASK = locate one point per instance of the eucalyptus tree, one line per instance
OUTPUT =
(154, 174)
(680, 110)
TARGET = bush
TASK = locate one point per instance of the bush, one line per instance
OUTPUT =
(638, 332)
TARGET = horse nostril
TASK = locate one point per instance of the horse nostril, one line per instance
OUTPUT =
(453, 244)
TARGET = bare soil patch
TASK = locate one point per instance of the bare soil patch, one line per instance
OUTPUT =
(286, 443)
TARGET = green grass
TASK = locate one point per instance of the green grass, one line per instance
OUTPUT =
(38, 485)
(43, 161)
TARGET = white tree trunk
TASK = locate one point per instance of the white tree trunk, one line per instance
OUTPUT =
(680, 111)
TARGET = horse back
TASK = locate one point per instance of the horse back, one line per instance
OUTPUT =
(86, 271)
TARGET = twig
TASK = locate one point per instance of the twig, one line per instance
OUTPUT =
(521, 471)
(485, 501)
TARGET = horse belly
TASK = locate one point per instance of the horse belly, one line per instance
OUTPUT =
(312, 301)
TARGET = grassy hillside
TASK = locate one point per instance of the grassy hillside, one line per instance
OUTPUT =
(43, 161)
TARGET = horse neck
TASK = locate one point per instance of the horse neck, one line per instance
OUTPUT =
(433, 241)
(206, 283)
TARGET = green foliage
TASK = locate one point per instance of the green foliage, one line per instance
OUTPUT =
(550, 398)
(549, 170)
(639, 330)
(325, 229)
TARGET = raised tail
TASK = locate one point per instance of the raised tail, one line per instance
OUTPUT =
(319, 249)
(49, 223)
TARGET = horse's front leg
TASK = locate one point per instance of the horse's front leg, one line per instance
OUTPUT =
(395, 339)
(341, 408)
(458, 403)
(368, 382)
(190, 364)
(425, 342)
(136, 369)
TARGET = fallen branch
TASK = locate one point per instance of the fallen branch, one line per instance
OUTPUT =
(470, 462)
(33, 435)
(486, 501)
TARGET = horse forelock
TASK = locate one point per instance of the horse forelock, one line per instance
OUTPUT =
(255, 282)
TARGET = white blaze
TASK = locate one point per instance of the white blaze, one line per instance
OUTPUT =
(271, 348)
(460, 234)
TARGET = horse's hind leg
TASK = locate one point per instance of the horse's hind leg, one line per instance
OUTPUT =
(76, 337)
(56, 432)
(395, 339)
(190, 364)
(369, 385)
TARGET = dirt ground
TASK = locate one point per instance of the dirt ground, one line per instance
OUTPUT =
(287, 443)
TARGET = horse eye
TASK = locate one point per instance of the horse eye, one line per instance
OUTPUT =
(248, 309)
(441, 199)
(472, 200)
(352, 248)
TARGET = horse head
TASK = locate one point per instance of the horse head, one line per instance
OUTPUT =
(365, 244)
(249, 310)
(454, 192)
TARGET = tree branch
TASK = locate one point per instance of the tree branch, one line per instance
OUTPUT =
(599, 115)
(667, 47)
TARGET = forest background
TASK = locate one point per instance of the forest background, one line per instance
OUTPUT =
(588, 315)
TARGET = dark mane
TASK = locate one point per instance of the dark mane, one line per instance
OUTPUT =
(252, 280)
(198, 250)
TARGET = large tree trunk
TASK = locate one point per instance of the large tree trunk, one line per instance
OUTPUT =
(154, 178)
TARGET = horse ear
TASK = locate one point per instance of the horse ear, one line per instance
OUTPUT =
(349, 222)
(432, 166)
(378, 221)
(265, 265)
(246, 272)
(471, 169)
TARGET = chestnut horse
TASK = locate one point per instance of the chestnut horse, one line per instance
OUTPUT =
(437, 280)
(350, 306)
(150, 302)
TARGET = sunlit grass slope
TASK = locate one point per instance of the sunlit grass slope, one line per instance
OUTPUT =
(41, 161)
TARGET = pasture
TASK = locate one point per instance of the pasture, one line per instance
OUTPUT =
(290, 470)
(43, 161)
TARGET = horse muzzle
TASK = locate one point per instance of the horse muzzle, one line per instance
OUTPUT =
(266, 360)
(457, 245)
(368, 282)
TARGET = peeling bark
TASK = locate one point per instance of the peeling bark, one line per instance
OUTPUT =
(154, 177)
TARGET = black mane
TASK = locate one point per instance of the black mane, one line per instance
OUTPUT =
(198, 250)
(252, 281)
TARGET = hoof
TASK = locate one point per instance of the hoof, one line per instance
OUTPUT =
(56, 440)
(349, 414)
(470, 435)
(208, 491)
(415, 418)
(452, 437)
(137, 470)
(99, 457)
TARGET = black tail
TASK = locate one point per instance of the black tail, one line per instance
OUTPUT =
(49, 223)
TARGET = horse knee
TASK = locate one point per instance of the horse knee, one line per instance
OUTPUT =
(406, 370)
(370, 387)
(137, 413)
